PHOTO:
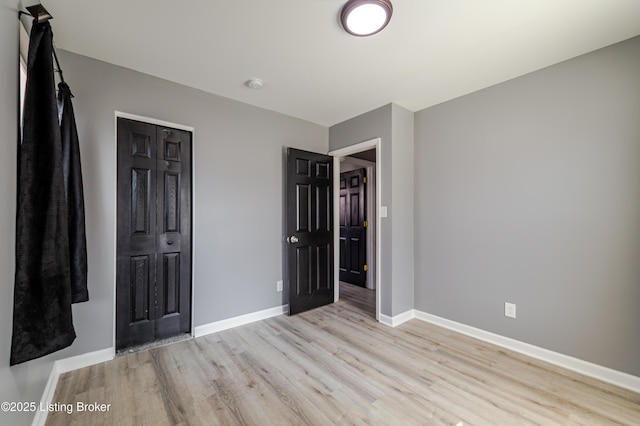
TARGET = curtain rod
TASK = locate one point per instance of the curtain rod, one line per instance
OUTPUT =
(55, 56)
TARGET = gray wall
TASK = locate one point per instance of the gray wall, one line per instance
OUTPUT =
(402, 215)
(394, 126)
(529, 192)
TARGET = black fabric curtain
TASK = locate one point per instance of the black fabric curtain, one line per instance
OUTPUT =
(74, 193)
(42, 319)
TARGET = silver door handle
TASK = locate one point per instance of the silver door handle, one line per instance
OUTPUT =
(292, 239)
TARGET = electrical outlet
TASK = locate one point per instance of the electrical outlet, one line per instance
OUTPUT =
(510, 310)
(279, 285)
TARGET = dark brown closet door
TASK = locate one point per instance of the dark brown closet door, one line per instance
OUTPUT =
(153, 282)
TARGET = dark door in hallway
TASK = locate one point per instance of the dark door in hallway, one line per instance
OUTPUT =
(353, 247)
(153, 279)
(309, 218)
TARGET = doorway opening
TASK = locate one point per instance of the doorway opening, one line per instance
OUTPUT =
(358, 161)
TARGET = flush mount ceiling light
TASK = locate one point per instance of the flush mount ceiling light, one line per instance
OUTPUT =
(365, 17)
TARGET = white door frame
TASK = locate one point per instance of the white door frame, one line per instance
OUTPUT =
(337, 154)
(192, 130)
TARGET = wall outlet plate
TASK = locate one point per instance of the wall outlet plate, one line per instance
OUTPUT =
(509, 310)
(279, 285)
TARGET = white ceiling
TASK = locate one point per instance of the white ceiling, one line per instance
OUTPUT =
(432, 50)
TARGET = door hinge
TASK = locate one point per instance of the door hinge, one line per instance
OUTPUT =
(366, 223)
(366, 268)
(364, 179)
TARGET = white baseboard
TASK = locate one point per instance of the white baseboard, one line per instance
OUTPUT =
(47, 396)
(85, 360)
(385, 319)
(599, 372)
(62, 366)
(214, 327)
(397, 319)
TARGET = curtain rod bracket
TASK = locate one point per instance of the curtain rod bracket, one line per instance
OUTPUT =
(38, 12)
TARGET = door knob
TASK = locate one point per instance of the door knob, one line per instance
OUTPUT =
(292, 239)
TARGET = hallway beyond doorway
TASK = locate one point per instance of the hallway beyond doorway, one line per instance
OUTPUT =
(359, 298)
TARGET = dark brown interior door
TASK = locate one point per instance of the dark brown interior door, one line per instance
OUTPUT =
(353, 247)
(153, 282)
(309, 257)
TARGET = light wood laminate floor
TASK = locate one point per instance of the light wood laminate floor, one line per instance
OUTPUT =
(337, 365)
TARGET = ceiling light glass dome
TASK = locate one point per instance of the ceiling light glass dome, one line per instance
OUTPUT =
(365, 17)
